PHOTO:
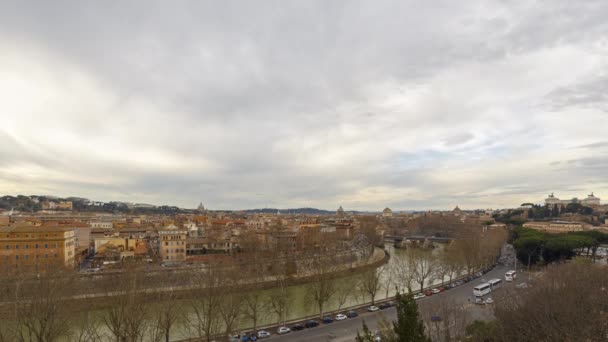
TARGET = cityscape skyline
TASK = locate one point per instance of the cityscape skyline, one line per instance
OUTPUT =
(472, 103)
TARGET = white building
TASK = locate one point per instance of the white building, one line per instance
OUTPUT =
(387, 212)
(591, 200)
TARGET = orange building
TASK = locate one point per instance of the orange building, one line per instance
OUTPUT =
(32, 248)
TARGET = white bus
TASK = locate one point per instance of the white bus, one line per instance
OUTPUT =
(510, 276)
(495, 283)
(482, 289)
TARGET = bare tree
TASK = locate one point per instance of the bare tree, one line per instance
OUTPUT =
(322, 285)
(232, 300)
(445, 320)
(166, 312)
(404, 272)
(567, 304)
(423, 264)
(370, 283)
(126, 316)
(344, 291)
(281, 300)
(41, 313)
(204, 320)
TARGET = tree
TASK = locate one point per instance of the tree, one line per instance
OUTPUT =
(281, 300)
(166, 312)
(366, 335)
(40, 313)
(127, 313)
(567, 304)
(528, 248)
(322, 285)
(423, 264)
(369, 283)
(205, 320)
(409, 326)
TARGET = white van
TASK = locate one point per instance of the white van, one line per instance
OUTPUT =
(510, 276)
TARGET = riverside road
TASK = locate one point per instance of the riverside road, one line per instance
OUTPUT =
(346, 330)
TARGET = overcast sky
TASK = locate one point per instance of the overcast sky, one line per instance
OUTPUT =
(364, 104)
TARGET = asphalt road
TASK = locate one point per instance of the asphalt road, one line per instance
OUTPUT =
(347, 330)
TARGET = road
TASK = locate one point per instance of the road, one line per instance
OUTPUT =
(346, 330)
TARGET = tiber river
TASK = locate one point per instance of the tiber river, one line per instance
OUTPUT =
(301, 307)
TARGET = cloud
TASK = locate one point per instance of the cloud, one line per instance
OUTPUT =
(309, 103)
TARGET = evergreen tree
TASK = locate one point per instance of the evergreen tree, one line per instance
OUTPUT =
(367, 336)
(409, 326)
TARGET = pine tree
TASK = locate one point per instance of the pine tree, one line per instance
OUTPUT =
(409, 326)
(367, 336)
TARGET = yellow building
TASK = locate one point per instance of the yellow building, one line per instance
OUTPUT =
(172, 244)
(32, 248)
(557, 226)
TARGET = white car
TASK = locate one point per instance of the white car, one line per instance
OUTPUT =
(283, 330)
(263, 334)
(522, 286)
(489, 300)
(435, 291)
(372, 308)
(419, 295)
(341, 317)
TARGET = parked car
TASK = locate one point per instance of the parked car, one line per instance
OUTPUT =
(253, 337)
(328, 319)
(435, 318)
(263, 334)
(372, 308)
(386, 305)
(489, 300)
(351, 314)
(311, 324)
(297, 327)
(522, 286)
(479, 300)
(441, 289)
(428, 293)
(341, 317)
(419, 295)
(435, 291)
(283, 330)
(245, 338)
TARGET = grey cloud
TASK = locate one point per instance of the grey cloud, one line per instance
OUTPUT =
(286, 100)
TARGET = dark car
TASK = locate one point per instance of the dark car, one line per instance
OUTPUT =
(328, 320)
(352, 314)
(435, 318)
(311, 324)
(385, 305)
(297, 327)
(428, 292)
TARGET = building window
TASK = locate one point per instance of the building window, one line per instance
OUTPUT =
(16, 257)
(46, 245)
(56, 245)
(8, 246)
(36, 246)
(55, 255)
(27, 256)
(16, 246)
(27, 246)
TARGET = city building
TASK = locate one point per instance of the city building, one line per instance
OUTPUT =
(387, 212)
(61, 205)
(558, 226)
(32, 248)
(340, 211)
(172, 244)
(590, 201)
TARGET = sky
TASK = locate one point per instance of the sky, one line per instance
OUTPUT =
(249, 104)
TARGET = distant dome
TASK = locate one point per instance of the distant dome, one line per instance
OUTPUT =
(387, 210)
(340, 211)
